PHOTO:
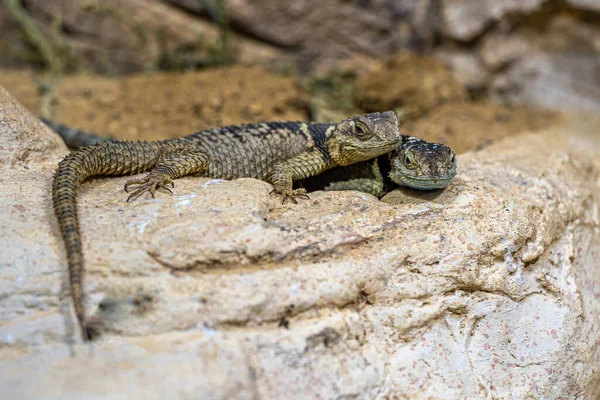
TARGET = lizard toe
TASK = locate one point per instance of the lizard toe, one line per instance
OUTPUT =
(139, 191)
(136, 181)
(163, 186)
(150, 183)
(291, 195)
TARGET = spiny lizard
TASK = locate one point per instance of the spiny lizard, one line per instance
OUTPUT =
(278, 152)
(416, 164)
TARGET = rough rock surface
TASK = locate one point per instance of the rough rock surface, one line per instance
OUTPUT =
(488, 289)
(538, 52)
(321, 33)
(465, 19)
(122, 36)
(592, 5)
(558, 70)
(467, 67)
(548, 81)
(132, 35)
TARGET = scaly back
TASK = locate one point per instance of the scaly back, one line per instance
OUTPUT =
(252, 150)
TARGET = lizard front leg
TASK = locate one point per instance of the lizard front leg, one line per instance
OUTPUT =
(302, 166)
(373, 185)
(173, 165)
(365, 185)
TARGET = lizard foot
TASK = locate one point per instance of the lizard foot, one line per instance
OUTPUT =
(290, 194)
(150, 183)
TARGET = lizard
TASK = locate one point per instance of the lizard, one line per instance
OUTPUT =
(415, 163)
(277, 152)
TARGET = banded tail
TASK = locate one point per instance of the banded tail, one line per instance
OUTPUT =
(117, 158)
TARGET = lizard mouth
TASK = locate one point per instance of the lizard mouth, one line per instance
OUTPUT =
(366, 151)
(422, 182)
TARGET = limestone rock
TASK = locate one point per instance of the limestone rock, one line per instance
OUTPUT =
(499, 50)
(466, 19)
(485, 290)
(559, 70)
(558, 81)
(592, 5)
(323, 33)
(124, 36)
(466, 67)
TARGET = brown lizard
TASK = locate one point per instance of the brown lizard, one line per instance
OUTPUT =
(278, 152)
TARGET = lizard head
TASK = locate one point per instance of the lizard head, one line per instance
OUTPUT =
(362, 138)
(422, 165)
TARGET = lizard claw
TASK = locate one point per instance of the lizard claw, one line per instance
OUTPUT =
(290, 195)
(130, 182)
(150, 183)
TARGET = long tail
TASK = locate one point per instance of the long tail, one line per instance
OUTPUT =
(116, 158)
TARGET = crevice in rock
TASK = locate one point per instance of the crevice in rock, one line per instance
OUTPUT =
(243, 263)
(479, 289)
(525, 365)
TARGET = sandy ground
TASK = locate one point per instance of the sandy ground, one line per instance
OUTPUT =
(164, 105)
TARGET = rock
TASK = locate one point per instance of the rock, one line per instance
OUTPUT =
(499, 50)
(414, 83)
(568, 33)
(557, 70)
(466, 67)
(323, 33)
(558, 81)
(466, 19)
(487, 289)
(29, 152)
(591, 5)
(124, 36)
(11, 42)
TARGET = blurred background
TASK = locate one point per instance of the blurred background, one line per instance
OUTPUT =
(461, 72)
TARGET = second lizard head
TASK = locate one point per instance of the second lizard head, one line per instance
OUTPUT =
(422, 165)
(364, 137)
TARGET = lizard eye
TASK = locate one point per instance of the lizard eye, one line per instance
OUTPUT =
(409, 163)
(450, 163)
(360, 130)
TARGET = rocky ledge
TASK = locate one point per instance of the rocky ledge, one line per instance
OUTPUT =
(488, 289)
